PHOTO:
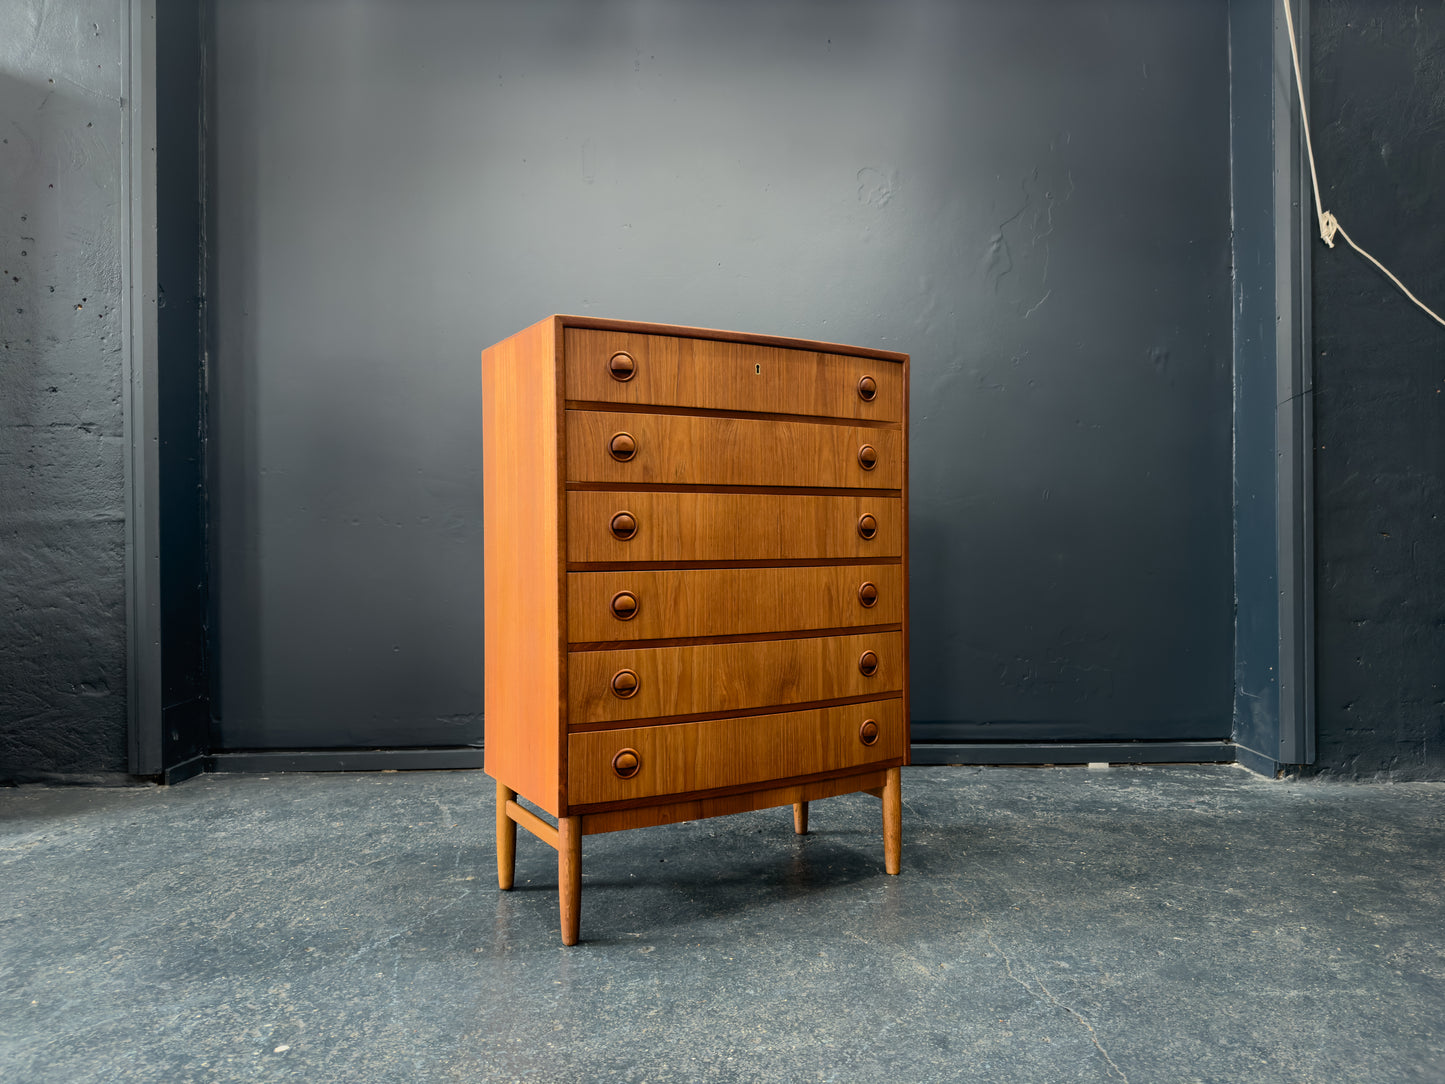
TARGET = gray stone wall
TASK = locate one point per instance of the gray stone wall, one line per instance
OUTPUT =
(1378, 110)
(62, 526)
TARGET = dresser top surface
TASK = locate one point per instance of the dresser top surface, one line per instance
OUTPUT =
(638, 327)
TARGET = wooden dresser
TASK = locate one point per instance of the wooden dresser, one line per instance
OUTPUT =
(696, 580)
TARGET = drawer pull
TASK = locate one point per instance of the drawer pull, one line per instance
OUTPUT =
(867, 388)
(621, 366)
(623, 446)
(868, 593)
(867, 526)
(624, 605)
(624, 526)
(867, 664)
(624, 684)
(627, 762)
(868, 457)
(867, 733)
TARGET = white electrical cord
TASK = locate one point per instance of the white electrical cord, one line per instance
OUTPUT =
(1329, 225)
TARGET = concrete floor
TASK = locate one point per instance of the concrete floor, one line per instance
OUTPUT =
(1143, 925)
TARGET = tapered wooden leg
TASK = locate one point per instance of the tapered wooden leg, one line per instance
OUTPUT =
(893, 820)
(800, 818)
(506, 839)
(569, 876)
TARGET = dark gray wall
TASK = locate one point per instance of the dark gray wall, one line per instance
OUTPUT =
(1378, 91)
(1273, 395)
(1031, 198)
(181, 371)
(62, 530)
(1252, 163)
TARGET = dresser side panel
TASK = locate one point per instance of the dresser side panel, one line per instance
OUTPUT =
(524, 694)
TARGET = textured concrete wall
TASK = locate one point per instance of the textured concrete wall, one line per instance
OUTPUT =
(1378, 90)
(62, 529)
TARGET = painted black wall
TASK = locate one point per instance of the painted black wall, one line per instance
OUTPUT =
(62, 528)
(1256, 464)
(1032, 198)
(1378, 115)
(181, 48)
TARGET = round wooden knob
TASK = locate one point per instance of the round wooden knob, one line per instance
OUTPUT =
(621, 366)
(868, 664)
(624, 684)
(868, 457)
(624, 605)
(867, 525)
(868, 732)
(623, 446)
(867, 593)
(627, 762)
(624, 526)
(867, 388)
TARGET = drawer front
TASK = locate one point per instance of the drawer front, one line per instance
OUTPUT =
(729, 526)
(679, 758)
(662, 448)
(650, 682)
(656, 605)
(709, 374)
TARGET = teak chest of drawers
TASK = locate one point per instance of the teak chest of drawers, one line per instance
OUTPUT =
(696, 580)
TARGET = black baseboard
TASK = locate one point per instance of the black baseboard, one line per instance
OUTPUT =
(186, 769)
(1164, 752)
(76, 779)
(346, 760)
(1258, 763)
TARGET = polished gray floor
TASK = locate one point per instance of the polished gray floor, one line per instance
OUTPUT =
(1143, 925)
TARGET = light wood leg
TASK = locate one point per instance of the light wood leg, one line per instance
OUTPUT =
(569, 876)
(893, 820)
(800, 818)
(506, 839)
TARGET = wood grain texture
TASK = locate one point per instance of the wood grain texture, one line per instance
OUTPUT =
(697, 808)
(730, 601)
(730, 526)
(730, 677)
(569, 877)
(643, 327)
(521, 554)
(506, 839)
(735, 602)
(904, 517)
(800, 818)
(730, 451)
(523, 816)
(719, 375)
(681, 758)
(893, 821)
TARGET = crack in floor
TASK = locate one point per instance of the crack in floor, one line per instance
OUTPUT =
(1048, 994)
(1093, 1035)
